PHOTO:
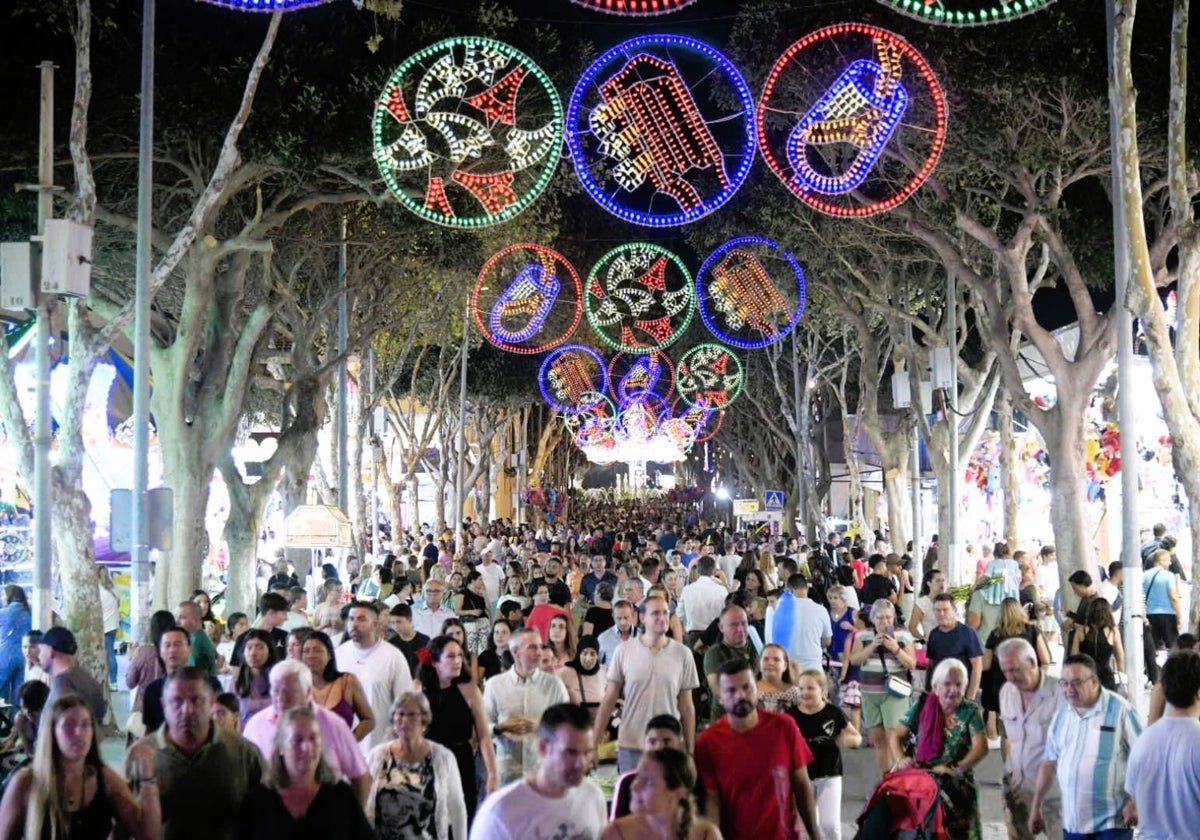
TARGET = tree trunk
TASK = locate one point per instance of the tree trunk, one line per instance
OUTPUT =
(1062, 429)
(896, 486)
(241, 537)
(188, 474)
(1008, 473)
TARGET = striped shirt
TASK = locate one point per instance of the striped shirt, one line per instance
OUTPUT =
(1092, 751)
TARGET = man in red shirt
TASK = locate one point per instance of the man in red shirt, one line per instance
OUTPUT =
(752, 765)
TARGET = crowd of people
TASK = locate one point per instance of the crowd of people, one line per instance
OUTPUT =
(445, 691)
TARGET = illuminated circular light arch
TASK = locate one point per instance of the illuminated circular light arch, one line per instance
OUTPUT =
(651, 140)
(835, 104)
(966, 12)
(573, 379)
(702, 416)
(632, 377)
(267, 5)
(527, 299)
(467, 132)
(639, 297)
(750, 292)
(634, 8)
(711, 373)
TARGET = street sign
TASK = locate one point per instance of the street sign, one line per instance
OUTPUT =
(317, 526)
(773, 500)
(744, 507)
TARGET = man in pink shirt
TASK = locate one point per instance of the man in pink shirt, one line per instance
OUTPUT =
(291, 686)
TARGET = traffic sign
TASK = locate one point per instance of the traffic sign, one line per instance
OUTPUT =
(745, 507)
(773, 500)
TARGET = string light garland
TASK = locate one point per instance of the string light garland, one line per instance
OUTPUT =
(633, 377)
(527, 299)
(709, 373)
(871, 127)
(966, 12)
(573, 378)
(750, 292)
(651, 132)
(467, 132)
(639, 297)
(634, 8)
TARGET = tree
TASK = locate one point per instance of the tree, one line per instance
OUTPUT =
(1174, 349)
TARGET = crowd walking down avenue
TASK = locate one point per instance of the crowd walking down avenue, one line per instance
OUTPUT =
(646, 675)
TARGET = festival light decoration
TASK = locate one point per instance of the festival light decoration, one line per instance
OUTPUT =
(709, 372)
(573, 379)
(966, 12)
(632, 377)
(750, 292)
(701, 416)
(639, 297)
(871, 127)
(467, 132)
(266, 5)
(527, 299)
(634, 8)
(651, 133)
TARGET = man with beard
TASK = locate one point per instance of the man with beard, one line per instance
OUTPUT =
(744, 759)
(557, 801)
(379, 666)
(203, 771)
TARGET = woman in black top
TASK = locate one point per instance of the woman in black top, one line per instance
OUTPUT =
(826, 731)
(305, 798)
(68, 793)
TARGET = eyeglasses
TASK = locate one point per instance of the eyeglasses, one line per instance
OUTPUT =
(1074, 684)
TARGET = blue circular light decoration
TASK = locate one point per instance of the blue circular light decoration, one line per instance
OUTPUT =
(267, 5)
(742, 296)
(573, 378)
(653, 145)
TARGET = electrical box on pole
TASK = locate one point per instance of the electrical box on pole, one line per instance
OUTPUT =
(16, 276)
(66, 258)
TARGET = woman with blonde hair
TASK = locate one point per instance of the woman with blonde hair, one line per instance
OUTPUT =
(661, 803)
(777, 691)
(1014, 624)
(827, 732)
(328, 615)
(304, 796)
(69, 793)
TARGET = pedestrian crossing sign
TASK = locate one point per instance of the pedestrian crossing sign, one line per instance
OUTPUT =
(773, 500)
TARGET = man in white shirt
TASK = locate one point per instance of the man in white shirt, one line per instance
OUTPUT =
(729, 562)
(701, 602)
(1028, 701)
(493, 577)
(513, 703)
(559, 800)
(428, 619)
(379, 666)
(801, 625)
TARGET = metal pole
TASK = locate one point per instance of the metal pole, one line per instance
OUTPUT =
(953, 558)
(343, 431)
(1131, 561)
(43, 551)
(139, 595)
(916, 497)
(459, 484)
(374, 456)
(797, 427)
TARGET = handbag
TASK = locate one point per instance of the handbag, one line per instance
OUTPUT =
(895, 686)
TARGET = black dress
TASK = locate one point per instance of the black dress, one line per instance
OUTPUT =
(994, 680)
(93, 821)
(452, 727)
(1097, 646)
(334, 812)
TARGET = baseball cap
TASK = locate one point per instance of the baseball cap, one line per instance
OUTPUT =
(60, 639)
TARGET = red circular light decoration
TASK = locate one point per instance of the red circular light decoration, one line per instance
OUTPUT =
(634, 8)
(852, 120)
(705, 419)
(527, 299)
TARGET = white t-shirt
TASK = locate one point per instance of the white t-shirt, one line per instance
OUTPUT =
(493, 577)
(384, 674)
(110, 604)
(650, 683)
(518, 812)
(1163, 776)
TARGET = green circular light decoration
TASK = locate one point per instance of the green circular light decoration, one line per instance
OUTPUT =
(467, 132)
(710, 374)
(966, 12)
(639, 297)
